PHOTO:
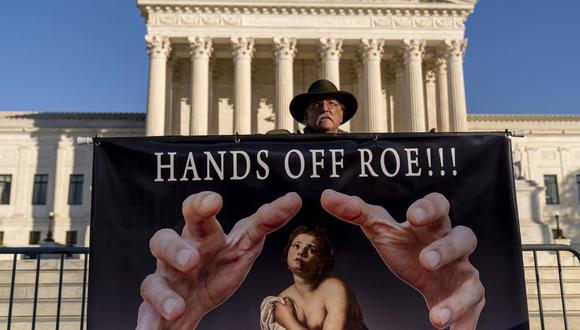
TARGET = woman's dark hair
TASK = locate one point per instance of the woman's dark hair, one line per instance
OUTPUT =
(325, 246)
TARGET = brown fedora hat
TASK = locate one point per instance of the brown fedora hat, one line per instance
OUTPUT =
(323, 89)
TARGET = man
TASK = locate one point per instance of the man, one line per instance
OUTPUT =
(323, 108)
(201, 268)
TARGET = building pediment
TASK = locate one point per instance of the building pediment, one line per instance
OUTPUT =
(320, 3)
(541, 124)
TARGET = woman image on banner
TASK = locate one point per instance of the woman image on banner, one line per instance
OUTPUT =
(316, 299)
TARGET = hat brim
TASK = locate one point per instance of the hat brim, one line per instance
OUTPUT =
(300, 102)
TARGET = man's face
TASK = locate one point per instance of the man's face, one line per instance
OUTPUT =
(324, 115)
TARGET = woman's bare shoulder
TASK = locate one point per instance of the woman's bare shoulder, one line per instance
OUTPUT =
(286, 293)
(333, 284)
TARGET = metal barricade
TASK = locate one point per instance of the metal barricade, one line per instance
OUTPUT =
(41, 258)
(553, 250)
(59, 255)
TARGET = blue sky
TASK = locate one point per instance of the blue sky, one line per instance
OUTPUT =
(89, 56)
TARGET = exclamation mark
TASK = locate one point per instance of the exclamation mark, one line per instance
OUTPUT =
(429, 161)
(453, 159)
(441, 161)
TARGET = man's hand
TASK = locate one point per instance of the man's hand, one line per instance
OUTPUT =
(202, 267)
(425, 251)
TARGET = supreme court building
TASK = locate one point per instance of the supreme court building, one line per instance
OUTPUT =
(227, 66)
(222, 67)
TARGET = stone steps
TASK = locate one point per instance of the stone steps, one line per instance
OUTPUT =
(74, 272)
(554, 320)
(29, 277)
(44, 307)
(551, 273)
(48, 264)
(45, 290)
(43, 323)
(553, 303)
(550, 293)
(48, 286)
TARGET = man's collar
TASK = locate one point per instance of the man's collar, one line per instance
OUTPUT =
(309, 130)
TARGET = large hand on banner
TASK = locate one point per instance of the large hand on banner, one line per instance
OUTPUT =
(202, 267)
(425, 251)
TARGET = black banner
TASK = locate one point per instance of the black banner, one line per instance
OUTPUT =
(139, 186)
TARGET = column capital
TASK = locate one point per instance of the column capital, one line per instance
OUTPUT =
(441, 64)
(413, 48)
(284, 48)
(200, 47)
(429, 69)
(455, 48)
(243, 47)
(158, 46)
(371, 49)
(330, 48)
(429, 76)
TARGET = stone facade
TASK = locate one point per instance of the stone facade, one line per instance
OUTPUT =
(233, 66)
(550, 147)
(44, 143)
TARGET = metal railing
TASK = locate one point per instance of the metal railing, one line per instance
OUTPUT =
(39, 254)
(60, 254)
(553, 249)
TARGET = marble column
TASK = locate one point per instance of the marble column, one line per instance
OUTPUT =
(442, 96)
(213, 116)
(169, 109)
(64, 150)
(243, 50)
(413, 66)
(330, 53)
(430, 96)
(371, 53)
(357, 122)
(401, 113)
(391, 86)
(284, 52)
(159, 49)
(457, 105)
(200, 50)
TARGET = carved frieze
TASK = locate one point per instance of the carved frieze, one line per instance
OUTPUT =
(299, 21)
(291, 17)
(191, 19)
(419, 22)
